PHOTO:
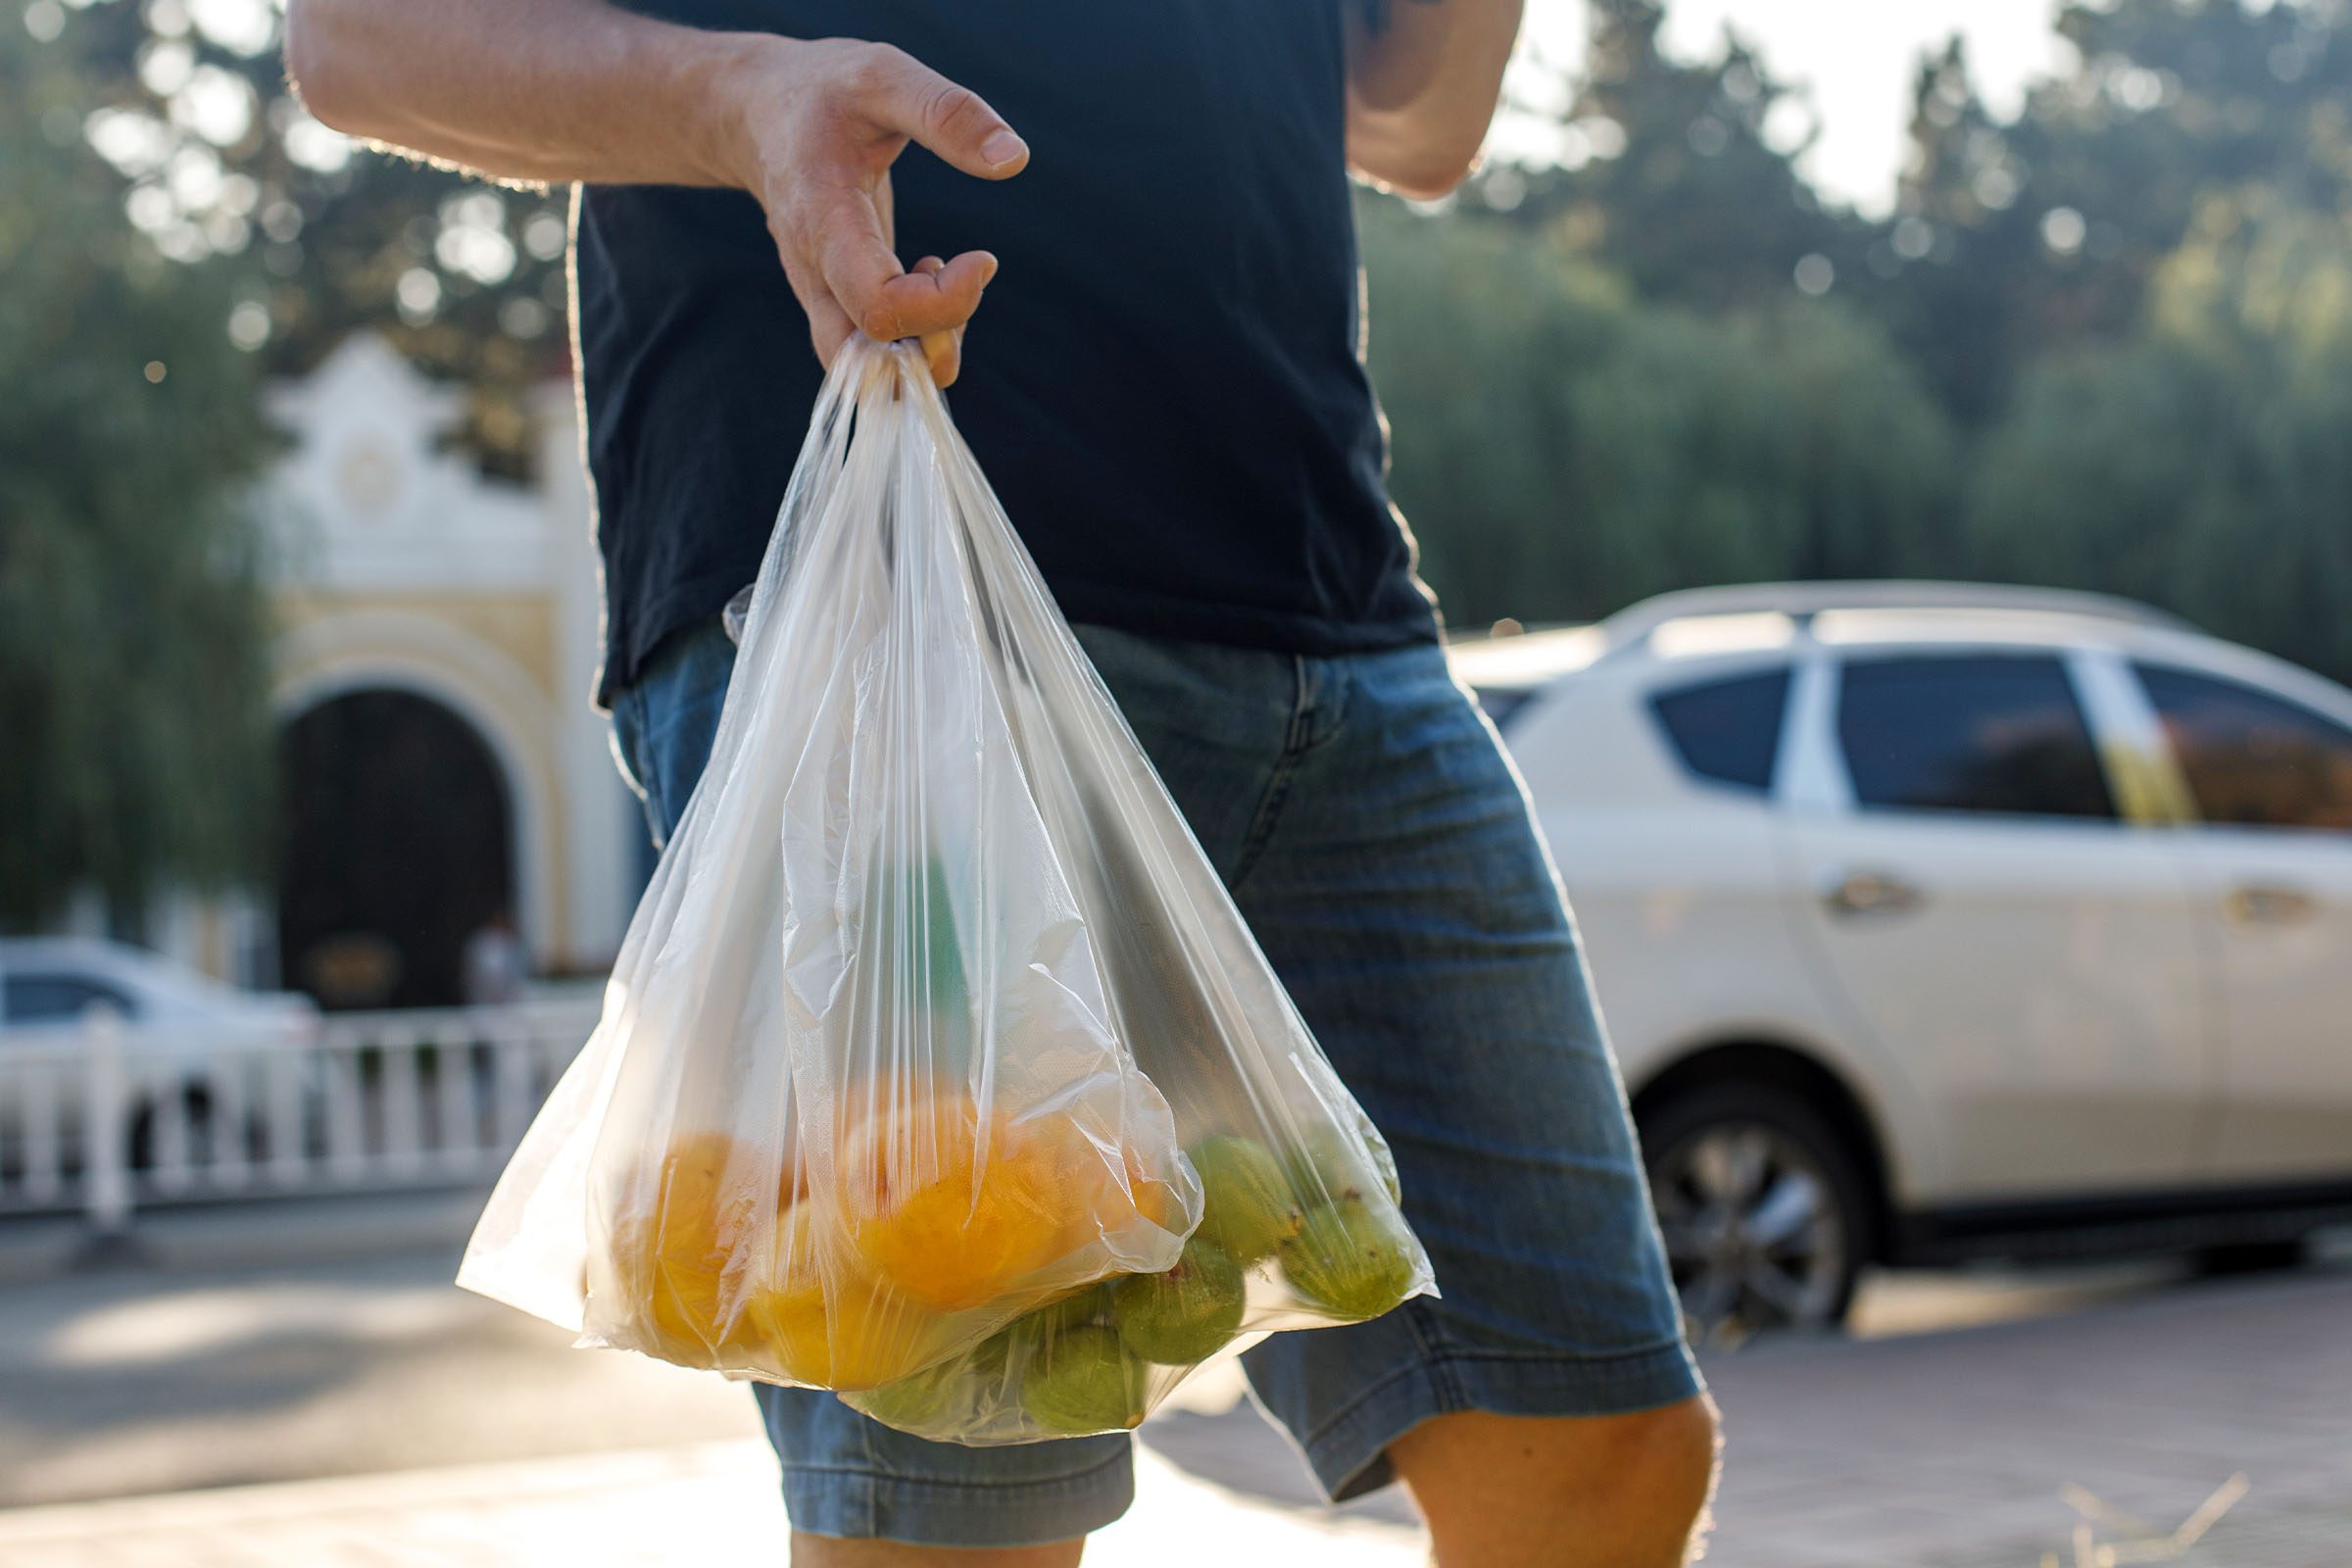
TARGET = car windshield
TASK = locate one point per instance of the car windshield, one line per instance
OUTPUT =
(36, 997)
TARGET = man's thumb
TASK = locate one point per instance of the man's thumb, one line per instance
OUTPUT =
(952, 121)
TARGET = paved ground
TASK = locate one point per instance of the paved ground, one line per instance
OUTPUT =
(450, 1431)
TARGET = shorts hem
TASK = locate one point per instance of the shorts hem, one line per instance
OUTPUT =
(1349, 1454)
(864, 1505)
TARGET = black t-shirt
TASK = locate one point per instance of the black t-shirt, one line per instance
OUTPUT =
(1164, 385)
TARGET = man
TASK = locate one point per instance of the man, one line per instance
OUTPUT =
(1168, 395)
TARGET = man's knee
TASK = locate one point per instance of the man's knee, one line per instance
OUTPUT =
(1673, 1449)
(1630, 1489)
(828, 1551)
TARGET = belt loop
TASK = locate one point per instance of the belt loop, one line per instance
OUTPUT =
(1302, 703)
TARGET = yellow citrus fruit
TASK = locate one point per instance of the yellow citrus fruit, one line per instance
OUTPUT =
(822, 1319)
(1103, 1204)
(671, 1257)
(950, 1205)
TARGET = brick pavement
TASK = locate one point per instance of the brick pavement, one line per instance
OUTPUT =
(649, 1508)
(1933, 1450)
(1954, 1447)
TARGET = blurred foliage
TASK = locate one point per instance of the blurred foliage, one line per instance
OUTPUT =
(2094, 341)
(132, 639)
(188, 100)
(2103, 342)
(1563, 446)
(1678, 177)
(2202, 463)
(2044, 231)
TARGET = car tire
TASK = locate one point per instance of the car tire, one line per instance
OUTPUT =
(1765, 1207)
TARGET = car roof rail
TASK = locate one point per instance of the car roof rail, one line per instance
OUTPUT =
(1801, 600)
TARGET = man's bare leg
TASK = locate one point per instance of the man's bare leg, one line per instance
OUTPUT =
(1601, 1491)
(831, 1551)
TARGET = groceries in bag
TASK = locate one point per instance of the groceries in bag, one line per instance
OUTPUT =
(937, 1067)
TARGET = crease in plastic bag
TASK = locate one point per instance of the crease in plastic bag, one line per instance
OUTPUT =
(937, 1067)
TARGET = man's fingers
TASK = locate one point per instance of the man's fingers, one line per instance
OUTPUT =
(855, 263)
(952, 121)
(942, 351)
(926, 303)
(884, 300)
(830, 326)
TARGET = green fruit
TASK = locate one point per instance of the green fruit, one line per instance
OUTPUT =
(937, 1400)
(1081, 1381)
(1333, 1165)
(1186, 1315)
(1070, 1312)
(1246, 1207)
(1352, 1259)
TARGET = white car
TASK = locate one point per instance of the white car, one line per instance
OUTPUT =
(177, 1023)
(1933, 921)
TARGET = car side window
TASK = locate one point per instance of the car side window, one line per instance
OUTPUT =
(1727, 731)
(2252, 758)
(1998, 734)
(56, 997)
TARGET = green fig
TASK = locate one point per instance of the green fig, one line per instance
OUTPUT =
(1071, 1312)
(1186, 1315)
(1353, 1259)
(1333, 1162)
(1084, 1380)
(1246, 1207)
(935, 1402)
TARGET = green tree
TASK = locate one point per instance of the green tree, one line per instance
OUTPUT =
(132, 640)
(2043, 232)
(1679, 177)
(219, 158)
(2200, 464)
(1562, 449)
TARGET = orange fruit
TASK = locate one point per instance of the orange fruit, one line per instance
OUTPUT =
(1156, 1200)
(671, 1257)
(1104, 1206)
(823, 1320)
(952, 1206)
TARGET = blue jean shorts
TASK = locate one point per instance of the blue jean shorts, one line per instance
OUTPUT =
(1380, 844)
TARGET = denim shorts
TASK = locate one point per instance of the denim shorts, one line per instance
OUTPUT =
(1380, 844)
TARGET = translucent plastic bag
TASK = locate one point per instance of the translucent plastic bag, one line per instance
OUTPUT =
(937, 1067)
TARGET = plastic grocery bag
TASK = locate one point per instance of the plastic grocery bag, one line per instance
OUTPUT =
(937, 1067)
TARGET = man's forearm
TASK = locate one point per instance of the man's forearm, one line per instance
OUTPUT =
(583, 90)
(1423, 78)
(521, 89)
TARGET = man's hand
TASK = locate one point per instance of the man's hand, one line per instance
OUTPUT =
(813, 128)
(583, 89)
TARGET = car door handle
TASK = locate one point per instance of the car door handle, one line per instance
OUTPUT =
(1855, 893)
(2262, 903)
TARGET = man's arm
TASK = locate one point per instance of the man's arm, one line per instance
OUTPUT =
(582, 89)
(1423, 78)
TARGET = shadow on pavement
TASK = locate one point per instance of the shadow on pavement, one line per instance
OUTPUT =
(1242, 1451)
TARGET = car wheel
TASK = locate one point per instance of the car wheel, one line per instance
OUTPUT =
(1765, 1212)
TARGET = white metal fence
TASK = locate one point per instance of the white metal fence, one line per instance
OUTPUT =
(99, 1118)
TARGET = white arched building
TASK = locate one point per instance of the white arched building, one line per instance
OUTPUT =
(405, 578)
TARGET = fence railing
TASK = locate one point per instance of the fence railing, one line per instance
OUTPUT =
(107, 1119)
